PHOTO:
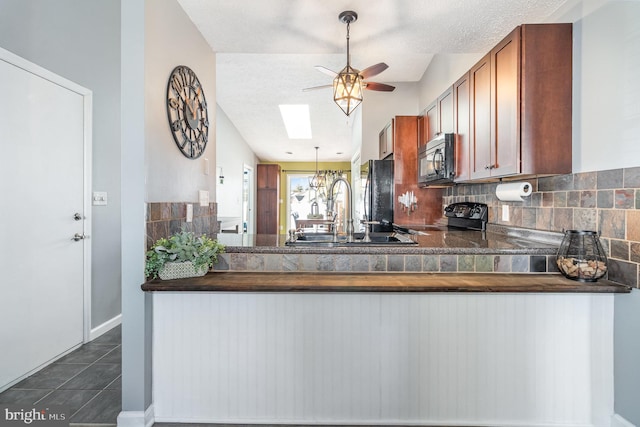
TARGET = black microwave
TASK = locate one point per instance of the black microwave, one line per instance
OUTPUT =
(436, 161)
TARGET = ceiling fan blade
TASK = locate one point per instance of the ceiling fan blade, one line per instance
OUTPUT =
(373, 70)
(307, 89)
(379, 86)
(325, 70)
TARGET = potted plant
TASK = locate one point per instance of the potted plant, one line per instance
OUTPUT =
(182, 255)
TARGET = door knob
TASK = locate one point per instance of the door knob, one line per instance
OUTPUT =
(77, 216)
(77, 237)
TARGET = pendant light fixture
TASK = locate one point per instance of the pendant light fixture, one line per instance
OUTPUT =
(317, 181)
(347, 85)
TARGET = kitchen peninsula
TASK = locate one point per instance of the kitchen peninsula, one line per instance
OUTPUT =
(531, 356)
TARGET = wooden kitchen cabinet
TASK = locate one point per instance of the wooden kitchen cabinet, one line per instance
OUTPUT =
(480, 117)
(268, 199)
(268, 176)
(520, 104)
(445, 112)
(462, 126)
(385, 141)
(437, 118)
(428, 124)
(423, 129)
(405, 176)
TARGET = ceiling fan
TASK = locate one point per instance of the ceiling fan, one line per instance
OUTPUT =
(349, 82)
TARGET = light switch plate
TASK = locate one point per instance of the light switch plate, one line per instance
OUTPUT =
(99, 198)
(203, 197)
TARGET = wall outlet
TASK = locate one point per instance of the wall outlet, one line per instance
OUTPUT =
(189, 212)
(505, 213)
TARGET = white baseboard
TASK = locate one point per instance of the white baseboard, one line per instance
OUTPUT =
(136, 418)
(105, 327)
(618, 421)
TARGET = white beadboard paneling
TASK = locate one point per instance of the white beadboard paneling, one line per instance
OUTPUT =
(481, 359)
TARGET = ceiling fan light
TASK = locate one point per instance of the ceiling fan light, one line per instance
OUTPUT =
(347, 89)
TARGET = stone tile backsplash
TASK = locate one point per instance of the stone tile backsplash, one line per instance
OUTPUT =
(164, 219)
(605, 201)
(386, 263)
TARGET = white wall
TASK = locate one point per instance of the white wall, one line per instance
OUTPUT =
(136, 307)
(606, 88)
(378, 108)
(171, 39)
(232, 153)
(82, 44)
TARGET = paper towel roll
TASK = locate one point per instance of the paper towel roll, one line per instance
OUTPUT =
(513, 191)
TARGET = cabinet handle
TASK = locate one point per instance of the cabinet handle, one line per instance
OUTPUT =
(490, 167)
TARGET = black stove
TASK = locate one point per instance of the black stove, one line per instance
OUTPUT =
(467, 215)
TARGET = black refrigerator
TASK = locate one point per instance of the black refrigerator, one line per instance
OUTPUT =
(378, 194)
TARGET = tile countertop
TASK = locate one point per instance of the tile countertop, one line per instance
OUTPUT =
(430, 240)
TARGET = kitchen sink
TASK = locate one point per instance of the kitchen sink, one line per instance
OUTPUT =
(326, 239)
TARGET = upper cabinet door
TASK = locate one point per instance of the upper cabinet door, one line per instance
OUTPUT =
(480, 115)
(423, 129)
(505, 106)
(445, 112)
(268, 176)
(545, 98)
(462, 126)
(431, 118)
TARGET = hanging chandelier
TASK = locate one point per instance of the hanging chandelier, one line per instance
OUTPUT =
(347, 85)
(318, 180)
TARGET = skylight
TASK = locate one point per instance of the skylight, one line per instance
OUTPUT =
(296, 120)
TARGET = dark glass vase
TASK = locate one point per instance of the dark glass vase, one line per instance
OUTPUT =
(581, 256)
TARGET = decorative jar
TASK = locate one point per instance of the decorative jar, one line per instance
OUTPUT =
(581, 256)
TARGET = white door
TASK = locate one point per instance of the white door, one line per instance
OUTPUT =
(43, 127)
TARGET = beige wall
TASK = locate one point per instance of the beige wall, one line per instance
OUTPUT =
(171, 177)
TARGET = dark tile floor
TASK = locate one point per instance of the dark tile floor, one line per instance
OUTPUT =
(88, 381)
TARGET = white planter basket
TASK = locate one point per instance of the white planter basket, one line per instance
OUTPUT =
(180, 270)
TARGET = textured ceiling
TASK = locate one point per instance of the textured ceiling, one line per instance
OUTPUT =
(266, 51)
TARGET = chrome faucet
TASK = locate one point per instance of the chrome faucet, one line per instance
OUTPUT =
(348, 207)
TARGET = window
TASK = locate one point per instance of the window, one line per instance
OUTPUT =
(301, 199)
